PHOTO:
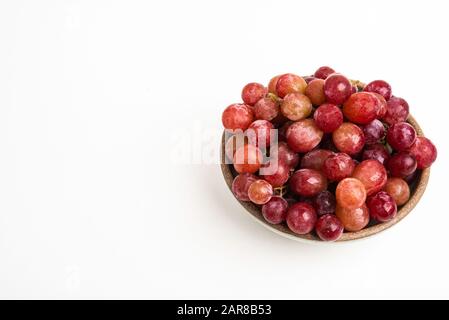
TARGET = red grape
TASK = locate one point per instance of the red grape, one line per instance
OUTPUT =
(303, 135)
(290, 83)
(397, 111)
(372, 174)
(328, 117)
(361, 108)
(237, 116)
(260, 192)
(323, 72)
(337, 88)
(296, 106)
(282, 132)
(382, 206)
(315, 92)
(376, 152)
(259, 133)
(253, 92)
(424, 151)
(324, 203)
(402, 164)
(398, 189)
(380, 87)
(267, 109)
(301, 218)
(338, 166)
(401, 136)
(374, 132)
(307, 182)
(329, 228)
(241, 184)
(349, 138)
(350, 193)
(272, 84)
(275, 210)
(247, 159)
(278, 175)
(285, 154)
(382, 106)
(353, 219)
(315, 159)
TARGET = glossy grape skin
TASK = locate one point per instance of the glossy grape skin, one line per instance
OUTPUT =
(275, 210)
(398, 189)
(272, 84)
(253, 92)
(324, 203)
(296, 106)
(307, 182)
(376, 152)
(247, 159)
(382, 105)
(285, 155)
(329, 228)
(237, 116)
(349, 138)
(382, 207)
(424, 152)
(324, 72)
(259, 132)
(303, 135)
(401, 136)
(301, 218)
(337, 89)
(338, 166)
(260, 192)
(353, 219)
(372, 174)
(315, 159)
(374, 132)
(278, 175)
(234, 142)
(267, 109)
(328, 117)
(315, 92)
(380, 87)
(290, 83)
(240, 185)
(401, 164)
(397, 111)
(361, 108)
(350, 193)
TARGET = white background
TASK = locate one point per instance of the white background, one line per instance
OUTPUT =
(96, 95)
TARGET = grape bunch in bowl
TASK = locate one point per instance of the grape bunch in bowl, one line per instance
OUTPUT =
(323, 157)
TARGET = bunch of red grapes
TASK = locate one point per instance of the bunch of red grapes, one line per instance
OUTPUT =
(346, 157)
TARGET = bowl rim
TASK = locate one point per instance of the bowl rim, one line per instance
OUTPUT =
(255, 212)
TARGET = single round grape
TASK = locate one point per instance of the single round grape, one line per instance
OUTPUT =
(301, 218)
(382, 207)
(349, 138)
(275, 210)
(267, 108)
(260, 192)
(380, 87)
(376, 152)
(253, 92)
(259, 133)
(402, 164)
(338, 166)
(237, 116)
(424, 152)
(307, 182)
(382, 105)
(353, 219)
(315, 159)
(328, 117)
(277, 173)
(324, 72)
(350, 193)
(398, 189)
(290, 83)
(372, 174)
(401, 136)
(303, 135)
(374, 132)
(234, 142)
(337, 88)
(329, 228)
(361, 108)
(247, 159)
(397, 111)
(272, 84)
(324, 203)
(240, 185)
(309, 79)
(315, 92)
(296, 106)
(285, 154)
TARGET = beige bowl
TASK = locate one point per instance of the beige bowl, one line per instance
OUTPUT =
(416, 192)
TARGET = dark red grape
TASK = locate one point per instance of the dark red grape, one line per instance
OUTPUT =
(267, 108)
(290, 83)
(308, 182)
(397, 111)
(328, 117)
(303, 135)
(382, 206)
(337, 88)
(374, 132)
(285, 154)
(349, 138)
(296, 106)
(247, 159)
(329, 228)
(253, 92)
(241, 184)
(338, 166)
(361, 108)
(282, 132)
(323, 72)
(259, 133)
(324, 203)
(315, 92)
(401, 136)
(402, 164)
(424, 152)
(301, 218)
(379, 86)
(315, 159)
(275, 210)
(376, 152)
(237, 116)
(275, 172)
(372, 174)
(260, 192)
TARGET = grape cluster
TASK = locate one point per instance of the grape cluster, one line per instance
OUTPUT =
(345, 155)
